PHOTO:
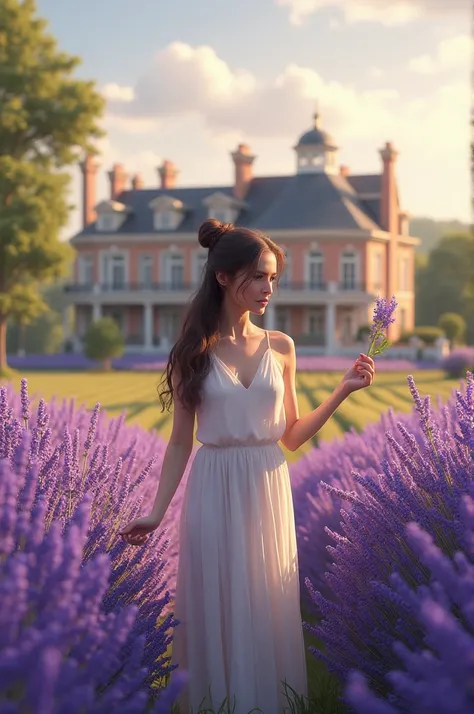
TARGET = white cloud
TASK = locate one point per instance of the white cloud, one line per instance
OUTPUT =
(203, 107)
(451, 53)
(185, 80)
(118, 93)
(387, 12)
(376, 72)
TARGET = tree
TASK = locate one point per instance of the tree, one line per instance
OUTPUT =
(454, 326)
(103, 341)
(48, 119)
(446, 283)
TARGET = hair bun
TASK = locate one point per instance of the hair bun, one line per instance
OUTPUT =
(211, 230)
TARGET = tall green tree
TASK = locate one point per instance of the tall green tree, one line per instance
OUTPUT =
(48, 119)
(446, 282)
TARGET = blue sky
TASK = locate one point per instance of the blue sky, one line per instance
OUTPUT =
(188, 81)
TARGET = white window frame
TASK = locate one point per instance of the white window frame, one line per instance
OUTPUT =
(316, 313)
(349, 257)
(105, 263)
(224, 215)
(285, 278)
(85, 263)
(199, 260)
(403, 275)
(283, 312)
(164, 220)
(107, 222)
(314, 257)
(167, 257)
(378, 269)
(146, 260)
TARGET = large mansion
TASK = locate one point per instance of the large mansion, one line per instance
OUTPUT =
(345, 236)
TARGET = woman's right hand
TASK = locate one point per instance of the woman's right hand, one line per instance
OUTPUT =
(136, 532)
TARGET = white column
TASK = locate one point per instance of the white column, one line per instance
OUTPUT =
(148, 326)
(330, 328)
(96, 311)
(269, 317)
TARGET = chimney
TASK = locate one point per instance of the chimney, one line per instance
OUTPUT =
(118, 179)
(344, 170)
(89, 169)
(137, 182)
(243, 160)
(388, 190)
(168, 173)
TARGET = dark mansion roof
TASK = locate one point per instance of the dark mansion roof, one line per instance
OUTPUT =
(301, 201)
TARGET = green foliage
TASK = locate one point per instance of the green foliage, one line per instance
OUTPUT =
(432, 231)
(103, 341)
(43, 334)
(453, 325)
(363, 333)
(47, 119)
(426, 333)
(446, 284)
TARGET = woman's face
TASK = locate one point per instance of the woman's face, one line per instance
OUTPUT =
(253, 291)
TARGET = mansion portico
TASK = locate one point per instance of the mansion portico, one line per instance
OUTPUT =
(345, 237)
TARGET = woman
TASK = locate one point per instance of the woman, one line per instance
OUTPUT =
(237, 592)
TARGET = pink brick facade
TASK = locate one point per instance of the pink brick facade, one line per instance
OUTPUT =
(142, 274)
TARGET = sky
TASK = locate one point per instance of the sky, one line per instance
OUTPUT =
(188, 81)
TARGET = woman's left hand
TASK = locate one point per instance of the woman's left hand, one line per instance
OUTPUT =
(360, 375)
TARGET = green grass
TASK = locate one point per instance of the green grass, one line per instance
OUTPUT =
(136, 394)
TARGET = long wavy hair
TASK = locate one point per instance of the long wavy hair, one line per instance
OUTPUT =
(232, 250)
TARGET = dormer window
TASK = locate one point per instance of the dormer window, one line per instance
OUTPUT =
(168, 212)
(106, 222)
(111, 215)
(163, 220)
(222, 207)
(224, 215)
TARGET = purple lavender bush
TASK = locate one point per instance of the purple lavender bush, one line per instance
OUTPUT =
(66, 570)
(423, 483)
(458, 362)
(318, 508)
(438, 676)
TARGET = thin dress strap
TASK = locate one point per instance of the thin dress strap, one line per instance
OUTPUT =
(268, 340)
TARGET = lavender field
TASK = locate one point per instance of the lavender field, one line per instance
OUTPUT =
(385, 525)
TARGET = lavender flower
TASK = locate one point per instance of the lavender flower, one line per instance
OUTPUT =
(383, 317)
(425, 480)
(40, 474)
(25, 402)
(323, 477)
(438, 674)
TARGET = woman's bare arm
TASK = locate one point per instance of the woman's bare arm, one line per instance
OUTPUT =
(175, 460)
(300, 429)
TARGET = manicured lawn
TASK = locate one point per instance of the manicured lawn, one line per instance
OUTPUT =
(135, 392)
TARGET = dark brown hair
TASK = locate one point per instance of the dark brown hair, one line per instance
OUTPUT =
(232, 250)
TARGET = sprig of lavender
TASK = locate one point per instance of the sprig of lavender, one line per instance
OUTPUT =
(383, 317)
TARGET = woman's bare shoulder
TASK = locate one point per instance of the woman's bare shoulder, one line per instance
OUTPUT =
(281, 343)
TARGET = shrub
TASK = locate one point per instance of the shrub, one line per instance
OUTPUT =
(424, 483)
(453, 325)
(427, 333)
(438, 676)
(103, 341)
(458, 362)
(363, 333)
(61, 456)
(59, 649)
(317, 510)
